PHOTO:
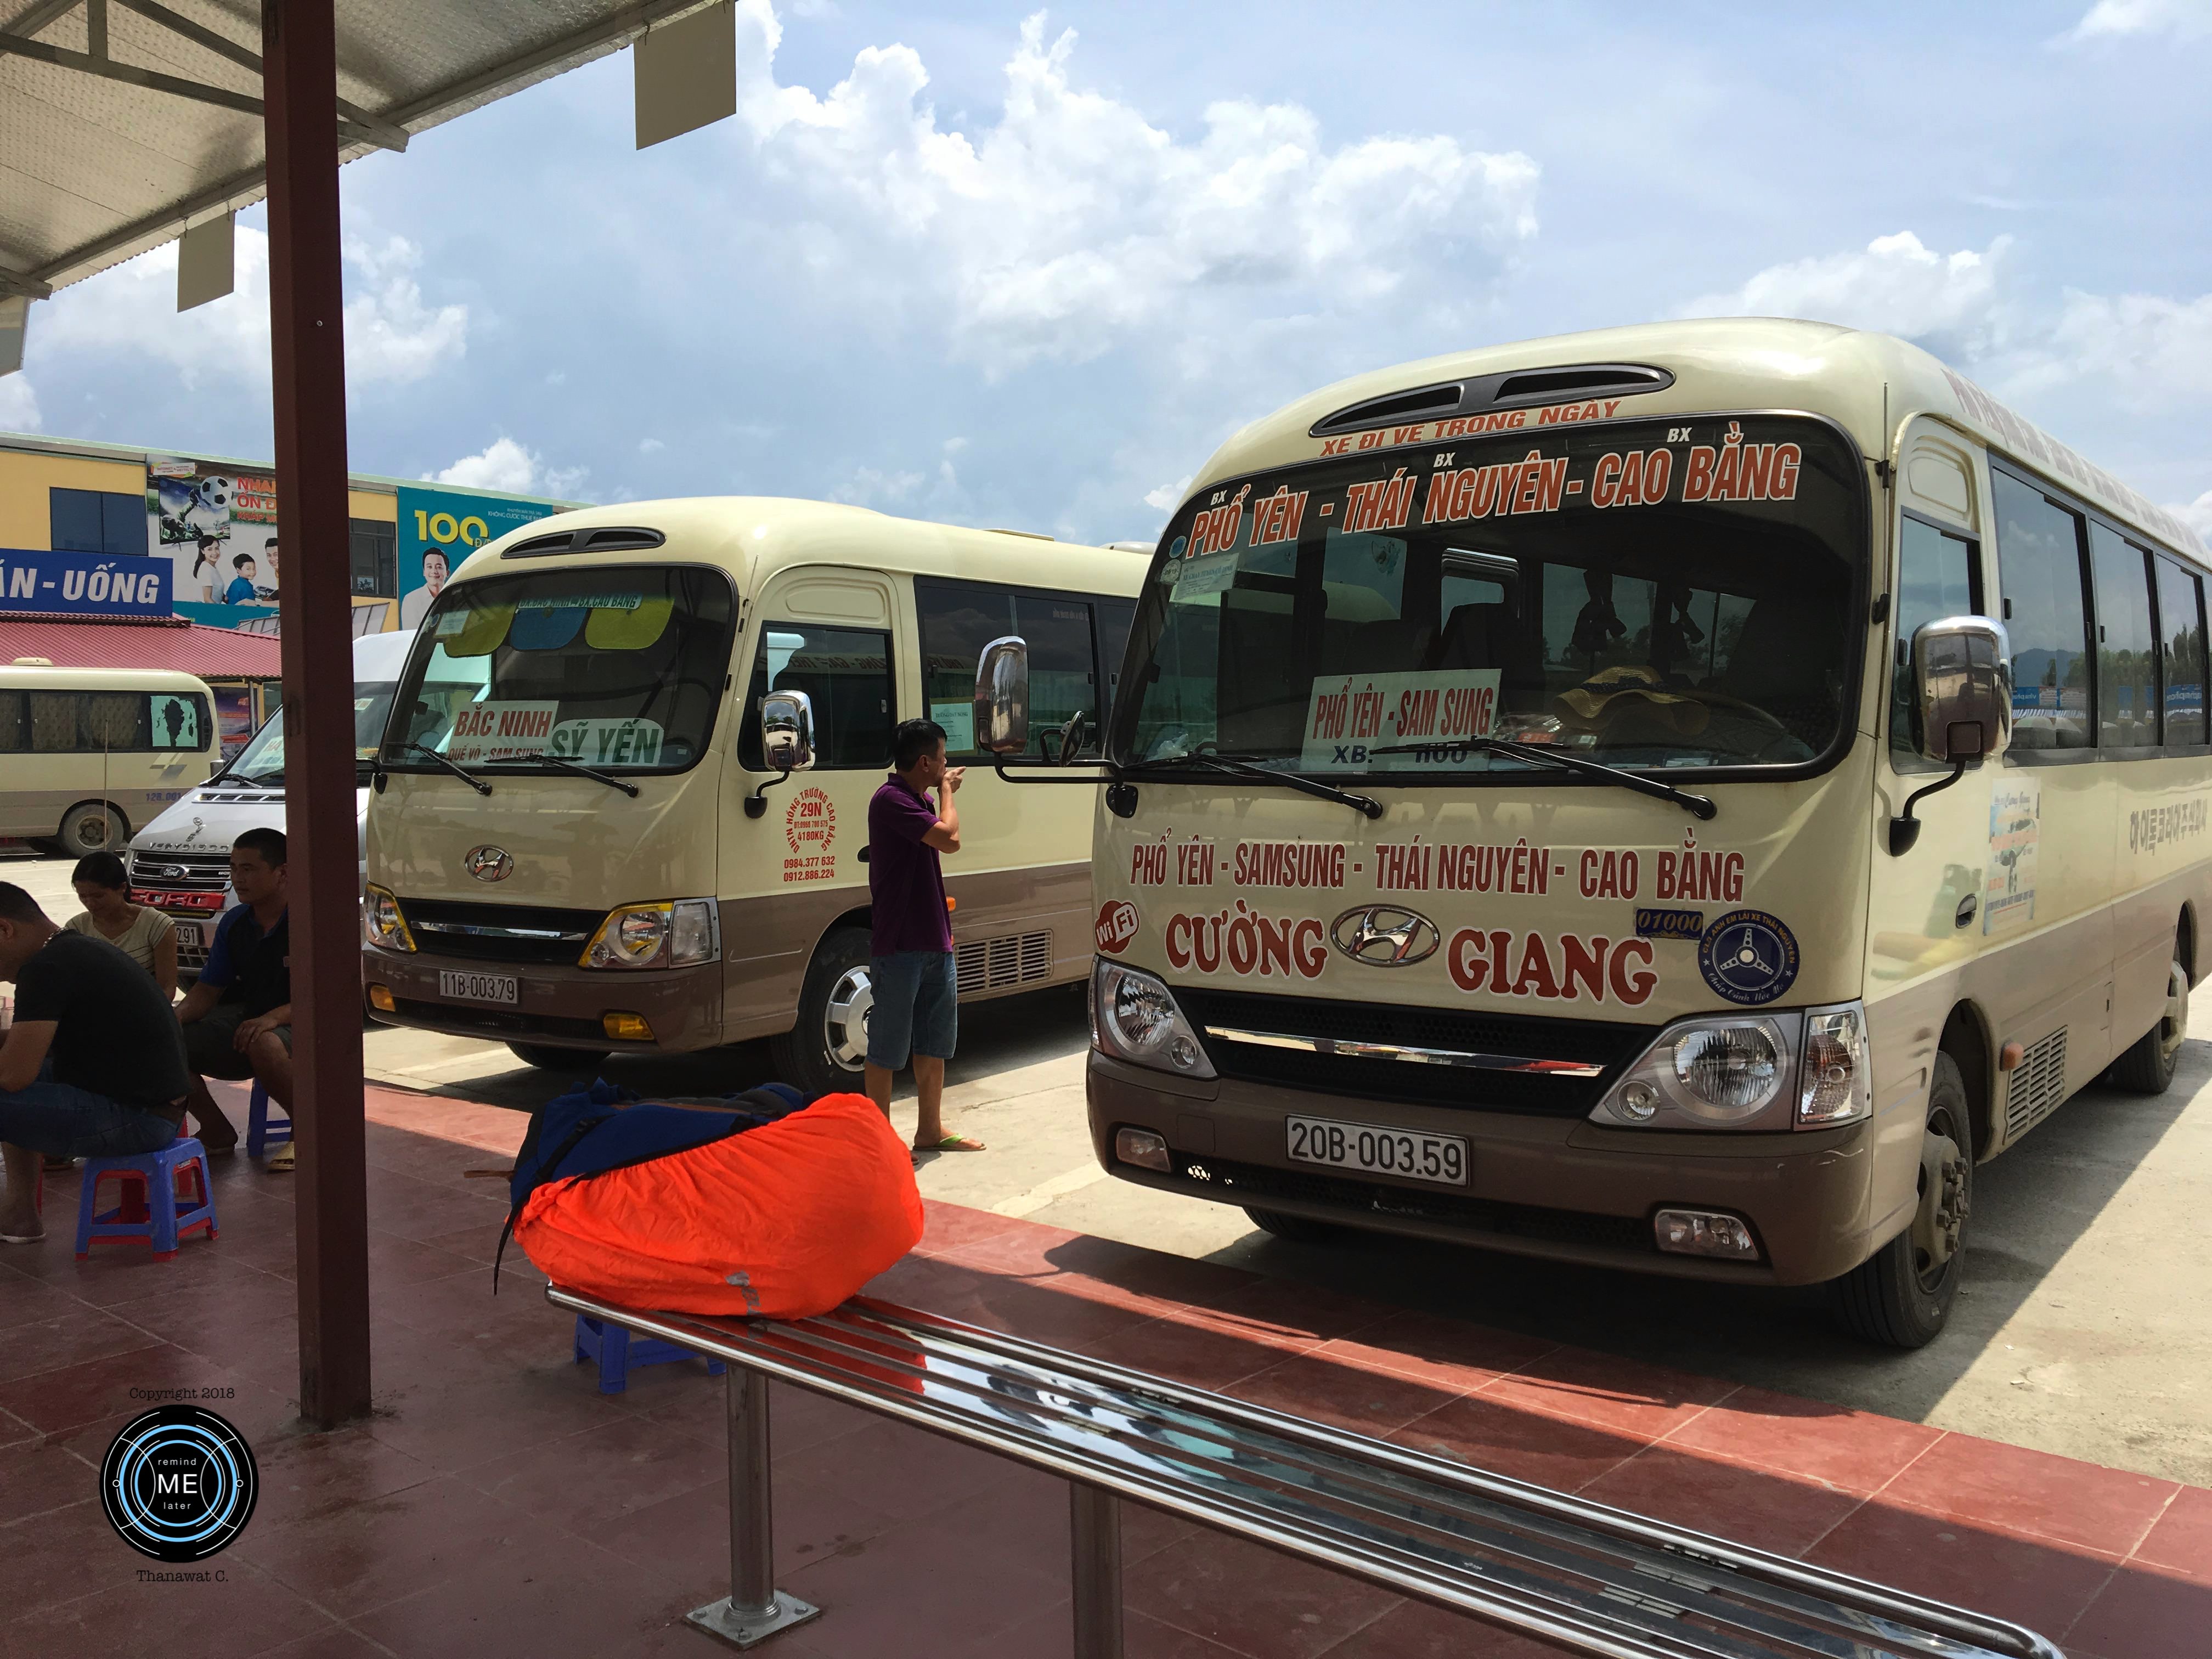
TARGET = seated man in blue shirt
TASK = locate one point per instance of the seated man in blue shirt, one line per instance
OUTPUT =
(238, 1019)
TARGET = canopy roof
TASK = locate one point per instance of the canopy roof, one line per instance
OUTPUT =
(122, 122)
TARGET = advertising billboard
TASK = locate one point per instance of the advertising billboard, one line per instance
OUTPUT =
(217, 527)
(83, 583)
(439, 528)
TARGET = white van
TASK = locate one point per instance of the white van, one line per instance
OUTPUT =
(181, 862)
(92, 751)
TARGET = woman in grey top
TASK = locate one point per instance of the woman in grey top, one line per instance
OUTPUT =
(139, 930)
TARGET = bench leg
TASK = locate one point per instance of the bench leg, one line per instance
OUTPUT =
(1095, 1534)
(754, 1609)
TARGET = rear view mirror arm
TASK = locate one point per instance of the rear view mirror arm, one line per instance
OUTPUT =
(1905, 829)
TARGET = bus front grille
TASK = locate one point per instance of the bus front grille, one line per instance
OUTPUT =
(527, 933)
(1492, 1062)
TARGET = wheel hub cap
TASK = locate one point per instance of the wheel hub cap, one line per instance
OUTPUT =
(845, 1032)
(2175, 1026)
(1945, 1201)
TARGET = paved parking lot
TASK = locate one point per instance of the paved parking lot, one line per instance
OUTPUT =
(2085, 1327)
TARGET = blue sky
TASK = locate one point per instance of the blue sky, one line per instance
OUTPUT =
(971, 262)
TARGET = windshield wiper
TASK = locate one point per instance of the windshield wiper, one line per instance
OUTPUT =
(1366, 805)
(565, 765)
(464, 775)
(1701, 806)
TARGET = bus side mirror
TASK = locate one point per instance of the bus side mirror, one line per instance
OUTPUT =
(787, 734)
(1002, 696)
(1962, 683)
(1962, 689)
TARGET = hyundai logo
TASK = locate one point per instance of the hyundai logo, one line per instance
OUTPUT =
(1385, 935)
(497, 863)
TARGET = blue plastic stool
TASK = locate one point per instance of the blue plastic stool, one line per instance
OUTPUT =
(616, 1350)
(148, 1206)
(260, 1132)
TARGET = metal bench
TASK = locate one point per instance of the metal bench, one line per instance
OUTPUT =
(1588, 1579)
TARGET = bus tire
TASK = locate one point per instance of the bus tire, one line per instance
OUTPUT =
(1900, 1296)
(548, 1058)
(1295, 1229)
(92, 826)
(2147, 1068)
(825, 1052)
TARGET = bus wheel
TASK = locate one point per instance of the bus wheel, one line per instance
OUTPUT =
(1295, 1229)
(91, 826)
(823, 1053)
(547, 1058)
(1900, 1296)
(2147, 1067)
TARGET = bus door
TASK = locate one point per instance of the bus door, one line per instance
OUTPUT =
(835, 635)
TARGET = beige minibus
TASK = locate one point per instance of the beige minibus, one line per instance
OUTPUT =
(89, 755)
(579, 843)
(1676, 797)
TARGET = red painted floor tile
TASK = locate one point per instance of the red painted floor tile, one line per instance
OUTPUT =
(119, 1272)
(336, 1643)
(1193, 1349)
(26, 1300)
(1856, 1451)
(1299, 1313)
(207, 1314)
(2032, 1582)
(689, 1400)
(40, 1475)
(1334, 1389)
(1500, 1438)
(901, 1471)
(307, 1475)
(1251, 1600)
(1625, 1395)
(1180, 1278)
(245, 1612)
(1051, 1635)
(72, 1396)
(581, 1601)
(687, 1536)
(1414, 1629)
(457, 1422)
(2180, 1540)
(62, 1555)
(1748, 1506)
(1146, 1531)
(954, 1226)
(2016, 1490)
(583, 1480)
(915, 1589)
(1449, 1352)
(53, 1344)
(2143, 1615)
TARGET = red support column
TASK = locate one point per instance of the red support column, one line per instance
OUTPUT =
(308, 351)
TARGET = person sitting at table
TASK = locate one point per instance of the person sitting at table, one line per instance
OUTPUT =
(139, 930)
(93, 1064)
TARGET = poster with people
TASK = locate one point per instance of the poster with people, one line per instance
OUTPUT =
(439, 528)
(217, 526)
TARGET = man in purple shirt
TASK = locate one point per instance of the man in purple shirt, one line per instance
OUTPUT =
(910, 955)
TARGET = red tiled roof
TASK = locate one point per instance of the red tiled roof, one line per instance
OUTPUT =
(213, 653)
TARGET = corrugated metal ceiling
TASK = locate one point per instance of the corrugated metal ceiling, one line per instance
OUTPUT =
(94, 170)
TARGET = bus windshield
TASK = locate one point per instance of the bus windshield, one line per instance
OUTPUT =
(1648, 596)
(262, 760)
(611, 668)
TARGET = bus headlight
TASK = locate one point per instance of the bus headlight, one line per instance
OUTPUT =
(1133, 1017)
(383, 921)
(1805, 1069)
(667, 933)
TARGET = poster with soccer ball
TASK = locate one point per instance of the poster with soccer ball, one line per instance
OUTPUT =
(217, 526)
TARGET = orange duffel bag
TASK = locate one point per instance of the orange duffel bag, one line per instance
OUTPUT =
(710, 1212)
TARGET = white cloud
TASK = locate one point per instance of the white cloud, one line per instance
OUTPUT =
(650, 445)
(18, 403)
(1168, 496)
(2111, 19)
(870, 487)
(2154, 350)
(1897, 285)
(1073, 221)
(505, 465)
(391, 337)
(2197, 515)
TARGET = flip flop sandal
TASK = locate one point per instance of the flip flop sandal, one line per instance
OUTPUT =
(953, 1144)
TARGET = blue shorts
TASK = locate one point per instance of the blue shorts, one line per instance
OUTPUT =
(62, 1121)
(916, 1007)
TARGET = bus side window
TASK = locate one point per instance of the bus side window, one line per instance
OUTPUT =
(2181, 639)
(15, 723)
(1935, 578)
(846, 674)
(2127, 644)
(2040, 567)
(1112, 618)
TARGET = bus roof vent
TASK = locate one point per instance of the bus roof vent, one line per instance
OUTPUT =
(620, 539)
(1515, 389)
(1554, 385)
(1424, 405)
(615, 538)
